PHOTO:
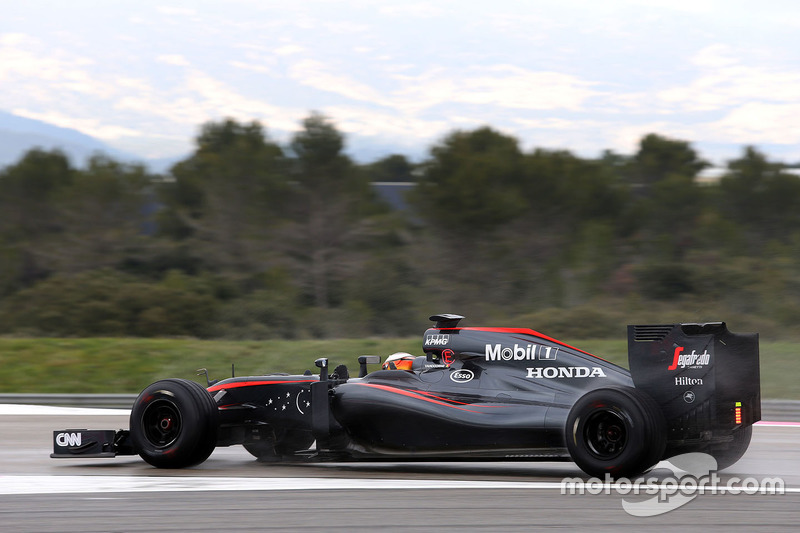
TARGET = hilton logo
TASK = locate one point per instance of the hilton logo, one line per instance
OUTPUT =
(684, 381)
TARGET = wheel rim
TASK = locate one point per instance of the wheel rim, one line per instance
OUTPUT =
(161, 423)
(606, 434)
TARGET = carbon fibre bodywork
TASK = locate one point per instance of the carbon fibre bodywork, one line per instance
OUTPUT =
(505, 393)
(500, 393)
(473, 404)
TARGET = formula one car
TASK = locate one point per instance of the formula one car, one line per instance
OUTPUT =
(478, 393)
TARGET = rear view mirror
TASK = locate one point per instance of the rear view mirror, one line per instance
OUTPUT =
(365, 360)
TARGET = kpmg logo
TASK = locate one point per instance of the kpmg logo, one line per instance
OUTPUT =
(437, 340)
(527, 352)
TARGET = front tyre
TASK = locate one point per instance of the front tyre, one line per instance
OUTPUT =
(174, 424)
(617, 431)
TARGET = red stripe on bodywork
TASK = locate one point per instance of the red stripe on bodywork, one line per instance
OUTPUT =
(439, 397)
(238, 384)
(524, 331)
(415, 395)
(456, 401)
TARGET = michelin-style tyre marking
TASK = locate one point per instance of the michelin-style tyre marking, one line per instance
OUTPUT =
(174, 424)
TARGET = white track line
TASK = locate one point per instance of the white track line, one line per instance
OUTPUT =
(21, 484)
(111, 484)
(24, 409)
(120, 484)
(27, 410)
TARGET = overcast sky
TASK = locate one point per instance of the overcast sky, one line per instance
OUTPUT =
(579, 75)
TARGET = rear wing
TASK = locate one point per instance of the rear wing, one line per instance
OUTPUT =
(704, 377)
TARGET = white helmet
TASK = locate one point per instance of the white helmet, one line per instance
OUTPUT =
(399, 361)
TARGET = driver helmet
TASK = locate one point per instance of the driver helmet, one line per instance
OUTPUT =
(399, 361)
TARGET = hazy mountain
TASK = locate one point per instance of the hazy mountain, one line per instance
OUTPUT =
(18, 135)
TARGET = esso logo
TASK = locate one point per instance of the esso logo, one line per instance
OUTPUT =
(448, 356)
(462, 376)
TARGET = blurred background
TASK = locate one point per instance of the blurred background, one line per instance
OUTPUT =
(249, 239)
(258, 171)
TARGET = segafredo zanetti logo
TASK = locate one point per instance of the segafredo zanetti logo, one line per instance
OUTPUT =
(690, 360)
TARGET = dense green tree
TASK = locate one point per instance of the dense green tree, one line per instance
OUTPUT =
(270, 310)
(226, 196)
(256, 240)
(760, 196)
(392, 168)
(471, 183)
(562, 187)
(29, 214)
(331, 211)
(105, 215)
(108, 303)
(28, 190)
(667, 205)
(659, 157)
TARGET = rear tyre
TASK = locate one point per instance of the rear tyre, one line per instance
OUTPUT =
(174, 424)
(735, 450)
(616, 431)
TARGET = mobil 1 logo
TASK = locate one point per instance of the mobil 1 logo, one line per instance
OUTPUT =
(520, 352)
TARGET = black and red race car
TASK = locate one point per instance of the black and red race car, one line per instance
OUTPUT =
(478, 393)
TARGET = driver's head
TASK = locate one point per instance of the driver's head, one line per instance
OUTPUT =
(399, 361)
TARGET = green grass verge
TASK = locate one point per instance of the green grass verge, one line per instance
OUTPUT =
(128, 365)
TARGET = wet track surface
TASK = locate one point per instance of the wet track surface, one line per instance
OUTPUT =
(233, 492)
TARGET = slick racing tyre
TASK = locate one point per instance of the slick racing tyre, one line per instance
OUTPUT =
(617, 431)
(174, 424)
(735, 450)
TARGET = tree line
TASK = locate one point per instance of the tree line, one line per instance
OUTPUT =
(249, 239)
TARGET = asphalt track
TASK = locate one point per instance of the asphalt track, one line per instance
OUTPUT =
(233, 492)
